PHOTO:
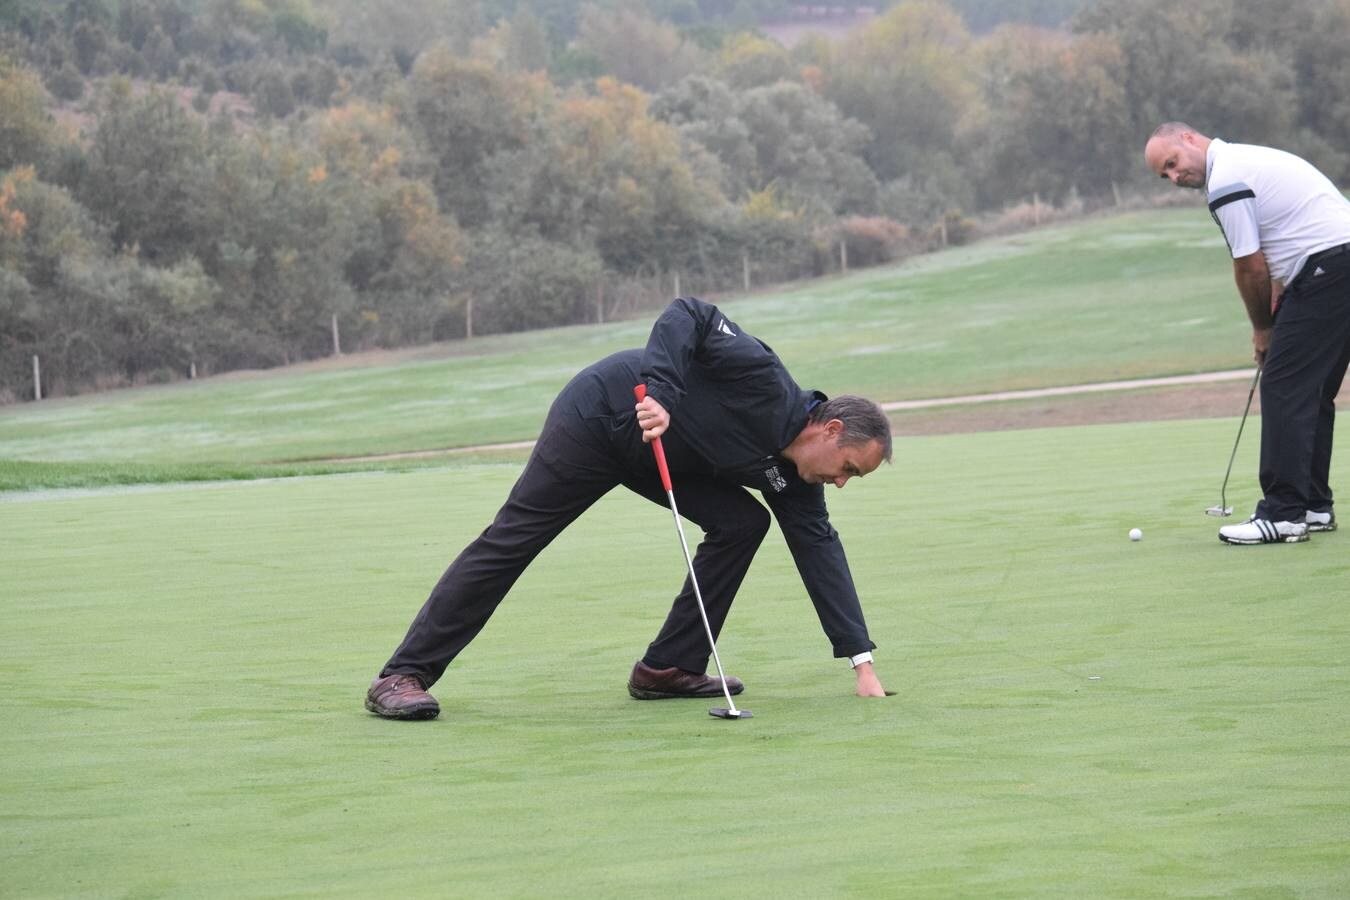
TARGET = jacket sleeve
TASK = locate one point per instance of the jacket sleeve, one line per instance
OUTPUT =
(690, 330)
(819, 555)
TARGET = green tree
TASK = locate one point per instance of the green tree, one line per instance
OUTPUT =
(609, 176)
(1056, 116)
(143, 164)
(45, 235)
(135, 20)
(908, 77)
(748, 60)
(517, 282)
(271, 93)
(784, 135)
(90, 43)
(465, 113)
(27, 130)
(519, 45)
(43, 225)
(807, 148)
(707, 114)
(409, 27)
(275, 231)
(298, 25)
(415, 294)
(1179, 64)
(637, 49)
(88, 313)
(161, 58)
(406, 255)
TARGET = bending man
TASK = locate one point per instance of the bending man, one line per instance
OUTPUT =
(1285, 223)
(730, 417)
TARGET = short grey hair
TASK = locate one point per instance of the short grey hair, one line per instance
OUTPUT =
(864, 421)
(1173, 130)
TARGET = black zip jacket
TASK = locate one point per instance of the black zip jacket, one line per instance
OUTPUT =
(734, 405)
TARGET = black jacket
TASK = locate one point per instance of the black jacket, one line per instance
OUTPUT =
(732, 402)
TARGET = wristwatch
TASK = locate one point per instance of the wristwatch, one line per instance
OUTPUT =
(861, 658)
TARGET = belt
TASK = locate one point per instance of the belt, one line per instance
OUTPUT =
(1326, 254)
(1311, 265)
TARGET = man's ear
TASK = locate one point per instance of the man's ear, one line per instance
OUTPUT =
(834, 429)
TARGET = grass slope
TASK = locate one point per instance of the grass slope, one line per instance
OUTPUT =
(1132, 295)
(1076, 714)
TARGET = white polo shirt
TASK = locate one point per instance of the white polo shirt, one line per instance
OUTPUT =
(1270, 200)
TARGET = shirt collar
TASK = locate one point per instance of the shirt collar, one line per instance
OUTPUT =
(1214, 145)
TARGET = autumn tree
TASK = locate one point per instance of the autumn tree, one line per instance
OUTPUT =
(1056, 115)
(908, 77)
(407, 257)
(747, 60)
(636, 49)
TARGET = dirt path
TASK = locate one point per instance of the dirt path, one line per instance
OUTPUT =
(1206, 395)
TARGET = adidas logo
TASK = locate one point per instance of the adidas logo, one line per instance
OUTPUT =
(1318, 271)
(723, 327)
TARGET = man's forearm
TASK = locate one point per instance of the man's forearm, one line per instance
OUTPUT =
(1253, 284)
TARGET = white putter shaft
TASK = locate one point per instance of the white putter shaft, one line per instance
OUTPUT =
(731, 712)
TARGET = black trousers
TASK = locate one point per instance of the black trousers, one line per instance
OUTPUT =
(1308, 356)
(575, 462)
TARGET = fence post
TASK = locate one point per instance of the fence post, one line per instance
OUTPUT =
(677, 284)
(468, 318)
(1036, 208)
(192, 370)
(37, 378)
(745, 270)
(843, 256)
(337, 341)
(600, 303)
(1115, 189)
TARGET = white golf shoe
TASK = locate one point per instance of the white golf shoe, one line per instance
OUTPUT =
(1264, 531)
(1320, 521)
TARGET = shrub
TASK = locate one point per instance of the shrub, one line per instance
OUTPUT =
(872, 240)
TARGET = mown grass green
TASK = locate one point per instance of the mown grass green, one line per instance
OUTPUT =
(1076, 714)
(1135, 295)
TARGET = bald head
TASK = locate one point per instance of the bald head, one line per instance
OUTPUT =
(1178, 152)
(1174, 130)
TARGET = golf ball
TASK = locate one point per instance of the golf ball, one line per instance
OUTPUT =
(1136, 534)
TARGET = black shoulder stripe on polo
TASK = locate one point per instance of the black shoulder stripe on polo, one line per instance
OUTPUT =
(1230, 194)
(1231, 198)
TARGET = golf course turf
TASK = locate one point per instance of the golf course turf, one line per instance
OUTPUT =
(1075, 714)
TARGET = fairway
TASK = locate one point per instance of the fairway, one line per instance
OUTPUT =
(1075, 714)
(1136, 295)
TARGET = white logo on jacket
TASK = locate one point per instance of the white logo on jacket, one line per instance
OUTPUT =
(775, 479)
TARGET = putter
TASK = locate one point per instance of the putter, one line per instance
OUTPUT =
(730, 712)
(1223, 509)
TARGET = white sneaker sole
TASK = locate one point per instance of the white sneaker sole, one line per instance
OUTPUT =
(1283, 539)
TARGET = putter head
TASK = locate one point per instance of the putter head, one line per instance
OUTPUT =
(722, 713)
(1219, 511)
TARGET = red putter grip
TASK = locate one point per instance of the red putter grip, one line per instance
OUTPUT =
(640, 391)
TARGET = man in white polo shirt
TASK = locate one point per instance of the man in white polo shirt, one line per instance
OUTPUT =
(1286, 224)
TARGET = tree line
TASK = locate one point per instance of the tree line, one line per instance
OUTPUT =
(195, 186)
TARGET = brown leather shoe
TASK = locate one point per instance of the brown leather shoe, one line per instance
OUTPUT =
(647, 683)
(401, 697)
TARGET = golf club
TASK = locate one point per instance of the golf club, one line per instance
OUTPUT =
(730, 712)
(1223, 509)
